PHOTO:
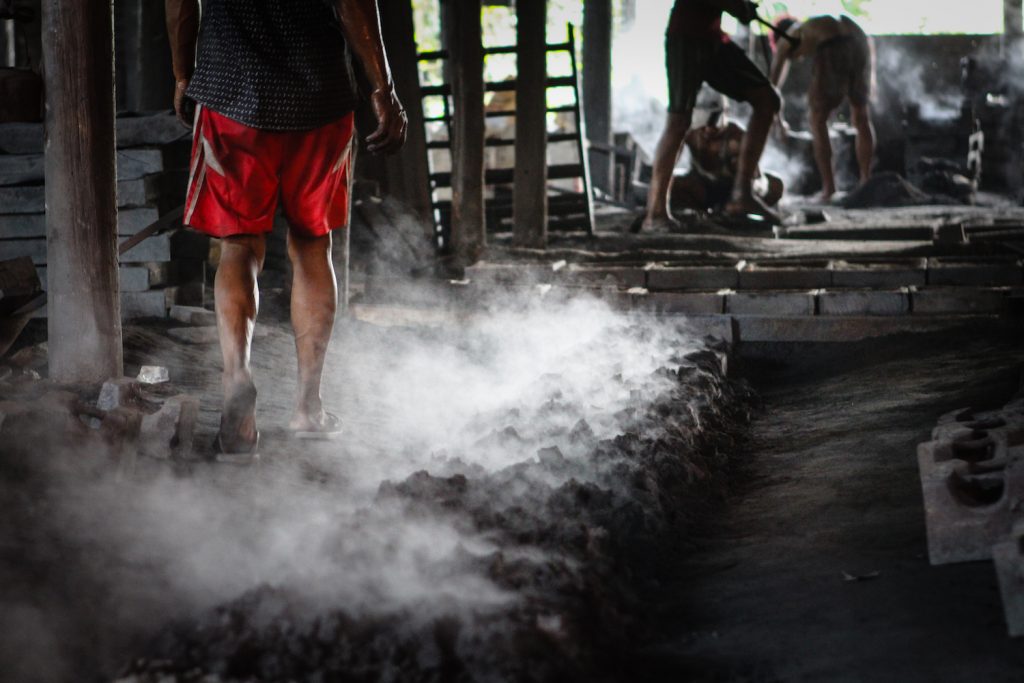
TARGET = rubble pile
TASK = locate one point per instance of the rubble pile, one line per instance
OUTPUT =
(562, 541)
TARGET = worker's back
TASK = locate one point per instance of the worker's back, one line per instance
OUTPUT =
(273, 64)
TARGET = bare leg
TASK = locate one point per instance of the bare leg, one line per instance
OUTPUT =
(823, 150)
(237, 302)
(861, 115)
(766, 103)
(314, 303)
(665, 157)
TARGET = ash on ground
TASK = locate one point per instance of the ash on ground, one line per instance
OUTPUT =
(498, 510)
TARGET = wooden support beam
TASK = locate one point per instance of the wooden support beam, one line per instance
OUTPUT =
(406, 172)
(81, 216)
(468, 235)
(597, 86)
(143, 56)
(1013, 21)
(530, 212)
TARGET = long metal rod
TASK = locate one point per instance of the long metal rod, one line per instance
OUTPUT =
(775, 29)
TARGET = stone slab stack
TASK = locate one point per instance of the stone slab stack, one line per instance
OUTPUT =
(152, 167)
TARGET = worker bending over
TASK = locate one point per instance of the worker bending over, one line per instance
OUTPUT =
(843, 69)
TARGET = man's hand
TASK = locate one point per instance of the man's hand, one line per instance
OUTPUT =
(184, 107)
(391, 122)
(744, 10)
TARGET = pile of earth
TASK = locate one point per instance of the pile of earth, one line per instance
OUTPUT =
(577, 537)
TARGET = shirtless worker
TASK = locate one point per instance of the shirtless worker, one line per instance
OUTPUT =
(275, 92)
(715, 152)
(843, 69)
(697, 51)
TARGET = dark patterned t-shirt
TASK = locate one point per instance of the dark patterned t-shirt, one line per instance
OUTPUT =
(273, 64)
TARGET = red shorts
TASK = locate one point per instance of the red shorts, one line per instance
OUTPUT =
(237, 174)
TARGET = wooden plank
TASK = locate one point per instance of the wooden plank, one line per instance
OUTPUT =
(131, 278)
(21, 226)
(142, 130)
(150, 130)
(18, 199)
(84, 324)
(530, 215)
(597, 92)
(34, 249)
(17, 169)
(468, 233)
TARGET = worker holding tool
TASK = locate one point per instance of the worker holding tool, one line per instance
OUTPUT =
(843, 70)
(697, 51)
(275, 93)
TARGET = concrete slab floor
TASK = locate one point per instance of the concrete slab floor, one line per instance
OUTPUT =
(831, 486)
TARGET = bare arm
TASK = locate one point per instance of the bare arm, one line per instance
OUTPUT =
(741, 9)
(360, 22)
(780, 64)
(183, 33)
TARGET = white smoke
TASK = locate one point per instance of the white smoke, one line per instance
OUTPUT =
(479, 397)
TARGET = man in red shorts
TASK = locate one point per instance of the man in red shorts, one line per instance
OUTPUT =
(274, 94)
(698, 52)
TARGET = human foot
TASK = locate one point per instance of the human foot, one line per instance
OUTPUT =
(323, 427)
(238, 434)
(655, 224)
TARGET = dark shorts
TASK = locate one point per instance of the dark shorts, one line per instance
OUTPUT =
(690, 62)
(842, 68)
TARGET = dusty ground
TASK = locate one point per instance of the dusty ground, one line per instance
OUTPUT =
(832, 487)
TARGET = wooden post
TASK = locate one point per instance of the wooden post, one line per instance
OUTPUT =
(530, 212)
(1013, 23)
(81, 210)
(467, 69)
(143, 63)
(406, 174)
(597, 90)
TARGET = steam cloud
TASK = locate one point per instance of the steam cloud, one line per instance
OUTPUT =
(479, 400)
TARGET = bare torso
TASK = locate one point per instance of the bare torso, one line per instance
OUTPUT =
(818, 30)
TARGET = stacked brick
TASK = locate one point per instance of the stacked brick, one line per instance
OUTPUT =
(152, 160)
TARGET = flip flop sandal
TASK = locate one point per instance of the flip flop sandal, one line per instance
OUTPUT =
(245, 455)
(231, 449)
(329, 430)
(747, 221)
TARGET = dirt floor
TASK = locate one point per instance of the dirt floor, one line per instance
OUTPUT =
(832, 487)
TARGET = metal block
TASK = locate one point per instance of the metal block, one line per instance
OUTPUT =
(879, 274)
(863, 302)
(120, 392)
(693, 277)
(958, 300)
(994, 272)
(972, 479)
(1008, 557)
(624, 278)
(685, 303)
(812, 275)
(168, 432)
(770, 303)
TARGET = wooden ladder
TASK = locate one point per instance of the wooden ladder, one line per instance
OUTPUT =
(568, 210)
